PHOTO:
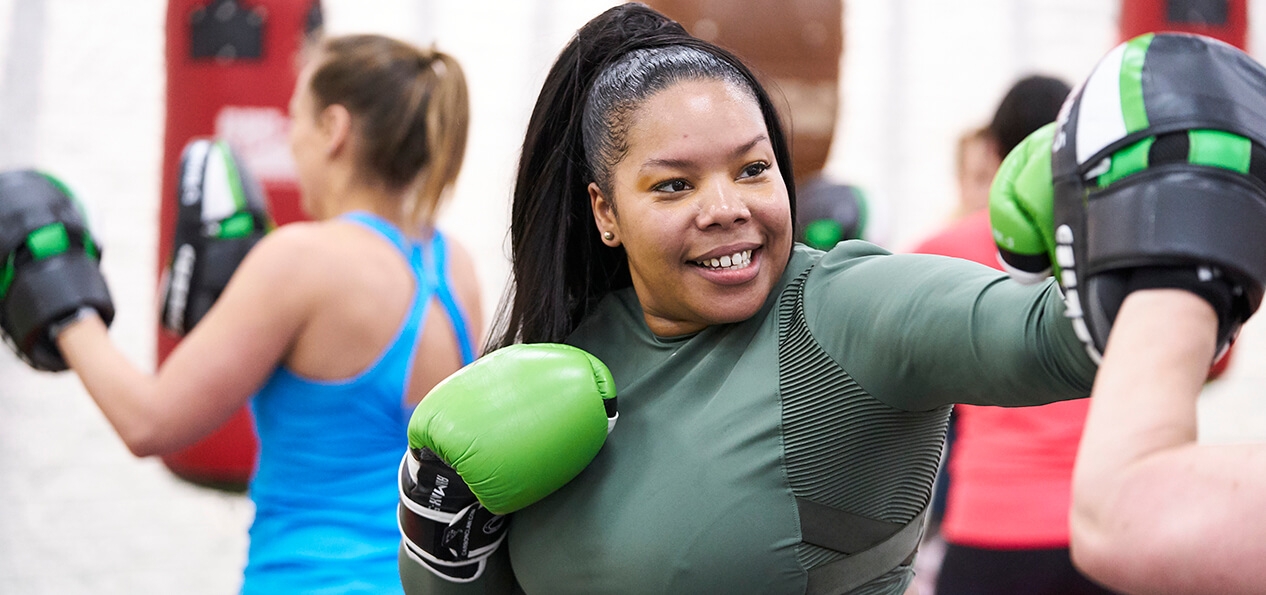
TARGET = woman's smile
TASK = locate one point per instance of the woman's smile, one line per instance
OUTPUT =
(733, 268)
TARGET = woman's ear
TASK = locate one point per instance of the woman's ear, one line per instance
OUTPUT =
(336, 124)
(604, 216)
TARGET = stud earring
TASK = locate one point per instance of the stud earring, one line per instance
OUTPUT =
(608, 236)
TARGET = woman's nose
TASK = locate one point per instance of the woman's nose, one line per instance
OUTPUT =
(722, 205)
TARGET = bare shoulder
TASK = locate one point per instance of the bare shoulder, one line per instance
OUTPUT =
(289, 245)
(461, 263)
(298, 250)
(289, 257)
(462, 269)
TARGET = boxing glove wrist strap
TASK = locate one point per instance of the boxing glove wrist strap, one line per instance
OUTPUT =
(444, 528)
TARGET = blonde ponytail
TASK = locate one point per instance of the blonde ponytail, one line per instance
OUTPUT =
(446, 116)
(411, 111)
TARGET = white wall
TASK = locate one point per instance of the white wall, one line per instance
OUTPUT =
(917, 73)
(81, 94)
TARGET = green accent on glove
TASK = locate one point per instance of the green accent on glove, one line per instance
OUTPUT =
(45, 242)
(823, 234)
(1216, 148)
(237, 225)
(48, 241)
(1133, 110)
(1129, 160)
(518, 423)
(222, 151)
(241, 223)
(1022, 198)
(90, 247)
(7, 274)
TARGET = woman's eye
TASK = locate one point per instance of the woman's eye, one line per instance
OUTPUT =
(677, 185)
(755, 169)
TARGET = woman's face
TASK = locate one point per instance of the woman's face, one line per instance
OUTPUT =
(977, 165)
(700, 207)
(306, 141)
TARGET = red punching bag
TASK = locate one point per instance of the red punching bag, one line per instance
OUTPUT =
(1225, 20)
(231, 68)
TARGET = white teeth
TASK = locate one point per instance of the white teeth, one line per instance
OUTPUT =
(736, 261)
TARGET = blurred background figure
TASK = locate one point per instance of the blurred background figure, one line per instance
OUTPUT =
(975, 163)
(1005, 483)
(1009, 470)
(331, 330)
(795, 48)
(976, 160)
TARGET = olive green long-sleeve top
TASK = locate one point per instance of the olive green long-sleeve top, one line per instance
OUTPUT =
(836, 392)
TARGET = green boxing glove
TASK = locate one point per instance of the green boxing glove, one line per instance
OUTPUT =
(496, 436)
(1154, 177)
(1021, 203)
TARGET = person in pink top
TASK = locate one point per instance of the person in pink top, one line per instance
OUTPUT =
(1006, 512)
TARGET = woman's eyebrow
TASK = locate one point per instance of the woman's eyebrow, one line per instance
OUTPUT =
(671, 163)
(739, 151)
(686, 163)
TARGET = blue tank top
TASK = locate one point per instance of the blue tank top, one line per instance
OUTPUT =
(325, 484)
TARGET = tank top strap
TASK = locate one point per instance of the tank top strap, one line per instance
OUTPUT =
(403, 347)
(384, 229)
(432, 279)
(440, 284)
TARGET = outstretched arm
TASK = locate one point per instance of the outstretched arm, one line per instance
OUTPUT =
(1153, 511)
(215, 369)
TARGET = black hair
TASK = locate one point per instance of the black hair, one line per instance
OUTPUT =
(560, 266)
(1031, 103)
(624, 85)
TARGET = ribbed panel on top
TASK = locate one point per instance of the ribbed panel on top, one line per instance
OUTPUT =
(844, 448)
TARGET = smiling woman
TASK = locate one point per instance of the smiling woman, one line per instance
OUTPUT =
(700, 205)
(782, 409)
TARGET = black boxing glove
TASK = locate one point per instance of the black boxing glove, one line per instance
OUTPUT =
(221, 214)
(49, 271)
(443, 527)
(1158, 172)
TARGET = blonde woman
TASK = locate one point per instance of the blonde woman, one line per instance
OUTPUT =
(331, 329)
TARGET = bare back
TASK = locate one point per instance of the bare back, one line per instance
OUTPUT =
(363, 301)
